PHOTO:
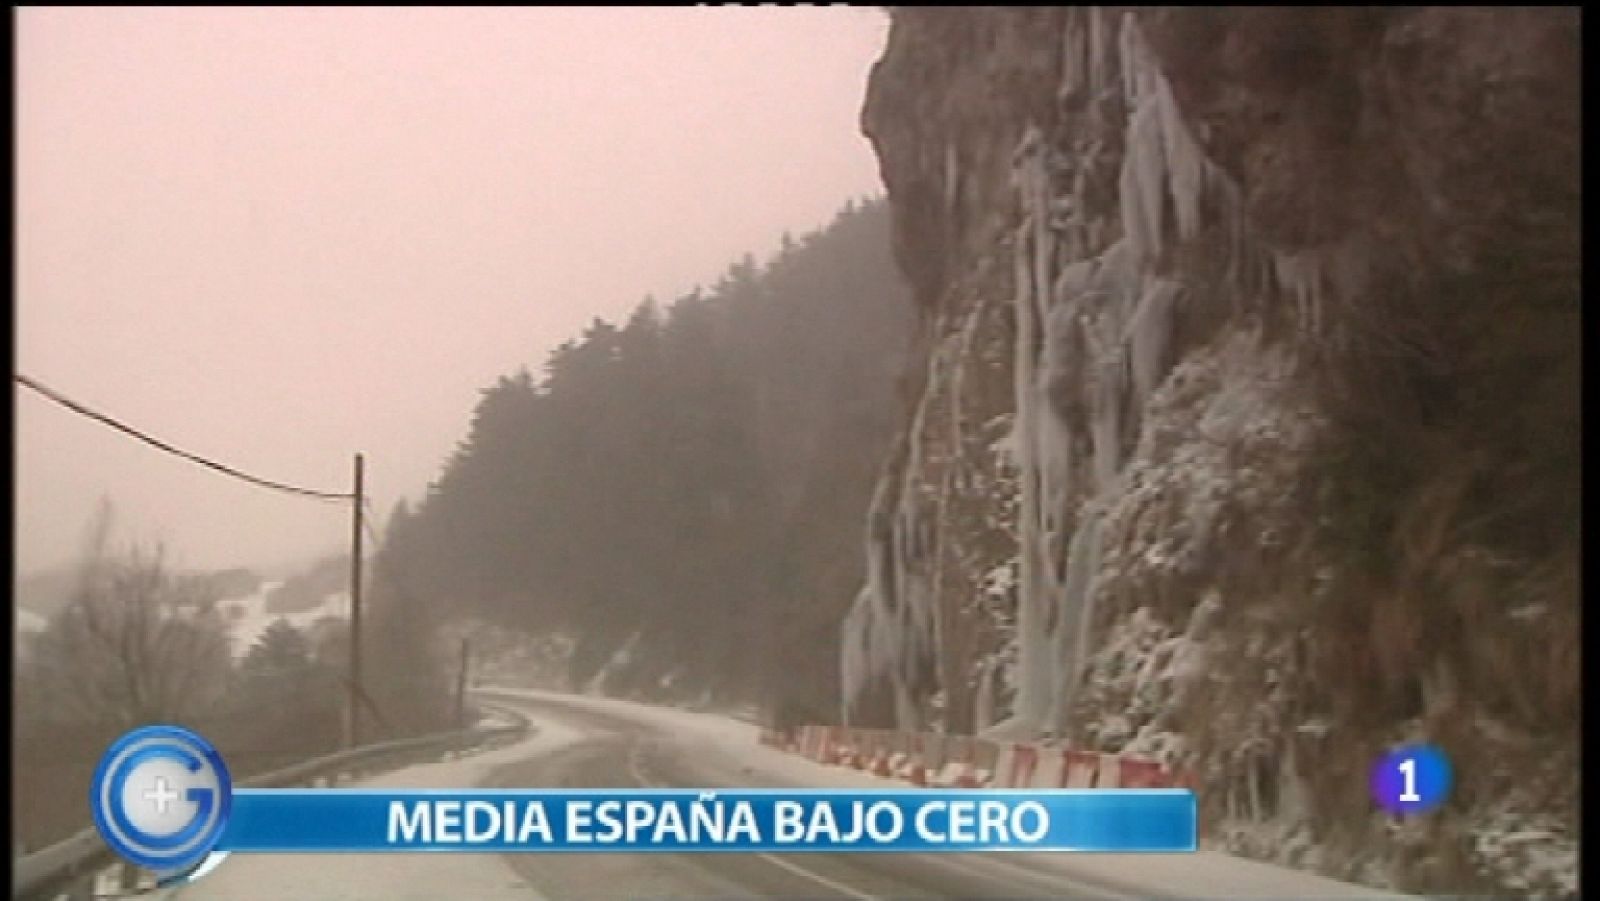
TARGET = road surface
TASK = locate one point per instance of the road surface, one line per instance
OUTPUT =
(590, 742)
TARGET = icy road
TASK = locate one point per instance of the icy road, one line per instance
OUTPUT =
(592, 742)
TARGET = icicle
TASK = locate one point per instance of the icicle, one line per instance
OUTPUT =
(1077, 613)
(958, 376)
(1130, 61)
(1036, 200)
(1300, 276)
(1241, 271)
(1026, 343)
(1057, 471)
(1139, 68)
(1074, 58)
(1110, 388)
(1119, 277)
(1033, 674)
(1185, 165)
(1149, 334)
(1099, 50)
(1142, 184)
(952, 175)
(983, 713)
(1252, 779)
(1073, 281)
(856, 659)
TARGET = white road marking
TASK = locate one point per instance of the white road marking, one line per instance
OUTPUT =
(636, 770)
(839, 887)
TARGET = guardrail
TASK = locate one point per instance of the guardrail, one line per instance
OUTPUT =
(69, 866)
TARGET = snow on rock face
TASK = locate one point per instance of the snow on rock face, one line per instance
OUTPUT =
(1092, 329)
(1532, 855)
(1108, 324)
(1133, 235)
(921, 627)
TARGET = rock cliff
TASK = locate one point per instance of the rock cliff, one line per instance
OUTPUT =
(1243, 427)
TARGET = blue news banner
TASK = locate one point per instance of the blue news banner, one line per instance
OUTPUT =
(162, 798)
(666, 820)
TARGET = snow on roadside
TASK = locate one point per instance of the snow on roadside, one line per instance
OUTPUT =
(424, 877)
(732, 743)
(1528, 853)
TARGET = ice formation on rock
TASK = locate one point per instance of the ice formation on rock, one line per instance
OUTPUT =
(1112, 518)
(1096, 305)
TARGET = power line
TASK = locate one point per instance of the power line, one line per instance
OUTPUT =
(193, 458)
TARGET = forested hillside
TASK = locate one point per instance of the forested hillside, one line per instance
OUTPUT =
(681, 493)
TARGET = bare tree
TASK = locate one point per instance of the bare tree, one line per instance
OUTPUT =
(136, 644)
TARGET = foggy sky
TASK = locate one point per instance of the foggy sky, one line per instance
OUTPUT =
(278, 237)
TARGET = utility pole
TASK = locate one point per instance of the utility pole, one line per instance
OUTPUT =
(352, 731)
(461, 685)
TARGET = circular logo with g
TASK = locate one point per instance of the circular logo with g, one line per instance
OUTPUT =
(160, 797)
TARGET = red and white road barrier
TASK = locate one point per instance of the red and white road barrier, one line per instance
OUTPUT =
(809, 744)
(836, 745)
(1037, 766)
(962, 761)
(1079, 768)
(850, 749)
(962, 768)
(911, 764)
(1017, 765)
(1119, 772)
(878, 763)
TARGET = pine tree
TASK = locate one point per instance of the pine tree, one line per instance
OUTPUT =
(695, 478)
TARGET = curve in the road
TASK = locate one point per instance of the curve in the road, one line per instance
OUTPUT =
(622, 752)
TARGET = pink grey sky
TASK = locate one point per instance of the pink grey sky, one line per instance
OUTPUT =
(279, 236)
